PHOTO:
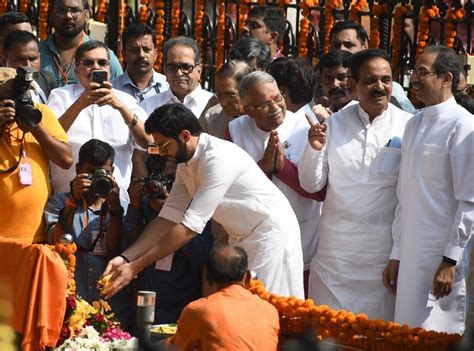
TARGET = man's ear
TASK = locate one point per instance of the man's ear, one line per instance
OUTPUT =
(185, 135)
(448, 79)
(273, 38)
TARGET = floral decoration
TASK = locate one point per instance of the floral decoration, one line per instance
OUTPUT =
(159, 29)
(305, 24)
(198, 24)
(378, 10)
(426, 14)
(220, 42)
(398, 23)
(175, 15)
(144, 13)
(356, 9)
(452, 16)
(43, 20)
(243, 13)
(331, 5)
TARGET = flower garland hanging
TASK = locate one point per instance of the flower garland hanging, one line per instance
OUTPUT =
(426, 14)
(261, 2)
(305, 25)
(356, 9)
(220, 46)
(198, 25)
(355, 330)
(377, 11)
(243, 13)
(43, 20)
(23, 6)
(3, 6)
(452, 16)
(101, 14)
(159, 30)
(122, 10)
(144, 12)
(331, 5)
(175, 18)
(398, 23)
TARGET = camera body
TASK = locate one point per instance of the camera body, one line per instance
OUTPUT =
(25, 110)
(158, 185)
(101, 184)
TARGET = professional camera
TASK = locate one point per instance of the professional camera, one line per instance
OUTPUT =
(25, 111)
(101, 184)
(160, 179)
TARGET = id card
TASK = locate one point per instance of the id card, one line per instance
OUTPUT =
(25, 173)
(101, 248)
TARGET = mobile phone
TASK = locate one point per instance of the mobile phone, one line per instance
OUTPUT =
(99, 77)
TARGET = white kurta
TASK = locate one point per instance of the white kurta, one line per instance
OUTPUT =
(222, 182)
(292, 134)
(355, 236)
(436, 192)
(96, 122)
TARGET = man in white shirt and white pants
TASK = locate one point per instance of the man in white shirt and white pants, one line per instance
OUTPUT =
(357, 153)
(215, 179)
(436, 192)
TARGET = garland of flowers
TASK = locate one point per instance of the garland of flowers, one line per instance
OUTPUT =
(398, 23)
(377, 10)
(220, 46)
(144, 12)
(305, 23)
(66, 251)
(175, 14)
(122, 10)
(243, 13)
(426, 14)
(452, 16)
(23, 6)
(101, 13)
(356, 9)
(331, 5)
(159, 29)
(43, 20)
(261, 2)
(356, 330)
(198, 24)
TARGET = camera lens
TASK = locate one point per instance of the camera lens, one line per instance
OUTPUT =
(28, 114)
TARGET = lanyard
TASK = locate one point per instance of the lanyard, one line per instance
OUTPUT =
(57, 62)
(104, 210)
(21, 153)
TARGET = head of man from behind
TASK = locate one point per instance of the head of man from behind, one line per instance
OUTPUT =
(227, 265)
(296, 80)
(372, 74)
(21, 48)
(253, 51)
(263, 100)
(226, 81)
(182, 65)
(334, 73)
(268, 24)
(349, 36)
(175, 131)
(436, 75)
(139, 51)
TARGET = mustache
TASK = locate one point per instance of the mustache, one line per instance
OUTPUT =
(139, 61)
(335, 91)
(378, 93)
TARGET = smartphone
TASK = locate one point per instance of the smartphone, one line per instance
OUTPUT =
(99, 77)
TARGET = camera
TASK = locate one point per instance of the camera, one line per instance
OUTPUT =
(25, 110)
(158, 185)
(101, 184)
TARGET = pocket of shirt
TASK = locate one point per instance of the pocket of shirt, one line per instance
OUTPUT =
(432, 161)
(390, 161)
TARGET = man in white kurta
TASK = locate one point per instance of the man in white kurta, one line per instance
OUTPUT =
(253, 135)
(436, 192)
(358, 159)
(217, 179)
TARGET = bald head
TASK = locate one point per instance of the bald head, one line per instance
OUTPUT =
(227, 265)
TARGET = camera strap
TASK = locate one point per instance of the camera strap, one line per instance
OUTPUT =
(21, 153)
(104, 210)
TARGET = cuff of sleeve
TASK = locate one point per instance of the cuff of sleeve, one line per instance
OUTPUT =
(171, 214)
(454, 252)
(395, 254)
(194, 223)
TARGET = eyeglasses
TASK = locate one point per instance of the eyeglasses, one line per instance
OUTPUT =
(265, 107)
(185, 68)
(62, 11)
(227, 96)
(163, 148)
(421, 72)
(89, 63)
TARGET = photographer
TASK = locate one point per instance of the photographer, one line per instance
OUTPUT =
(177, 281)
(92, 214)
(30, 137)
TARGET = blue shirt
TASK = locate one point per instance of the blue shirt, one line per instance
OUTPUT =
(156, 85)
(49, 52)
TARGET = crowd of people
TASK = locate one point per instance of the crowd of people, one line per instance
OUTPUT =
(325, 182)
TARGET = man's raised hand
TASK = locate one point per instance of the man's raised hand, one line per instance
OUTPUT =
(316, 134)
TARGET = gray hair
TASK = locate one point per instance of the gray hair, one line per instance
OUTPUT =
(252, 79)
(182, 41)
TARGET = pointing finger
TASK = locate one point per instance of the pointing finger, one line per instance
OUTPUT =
(310, 120)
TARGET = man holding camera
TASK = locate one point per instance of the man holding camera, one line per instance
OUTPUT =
(92, 109)
(26, 147)
(92, 214)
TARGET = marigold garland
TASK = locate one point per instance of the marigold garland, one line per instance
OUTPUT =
(144, 13)
(305, 24)
(243, 13)
(43, 20)
(198, 24)
(452, 16)
(66, 251)
(398, 23)
(261, 2)
(159, 30)
(356, 9)
(122, 10)
(220, 43)
(175, 17)
(101, 14)
(23, 6)
(377, 11)
(426, 14)
(331, 5)
(350, 329)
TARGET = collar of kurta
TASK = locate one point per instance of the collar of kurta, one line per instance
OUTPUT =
(440, 108)
(364, 116)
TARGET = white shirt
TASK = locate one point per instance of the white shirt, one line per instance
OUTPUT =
(222, 182)
(94, 122)
(355, 236)
(293, 136)
(436, 217)
(195, 101)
